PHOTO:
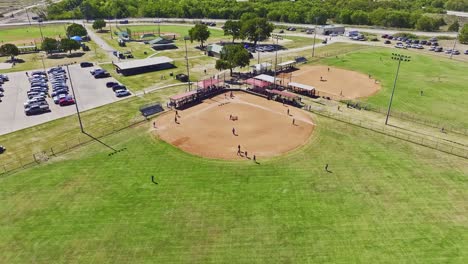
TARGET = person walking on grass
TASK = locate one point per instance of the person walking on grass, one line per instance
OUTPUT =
(246, 155)
(154, 124)
(326, 167)
(254, 158)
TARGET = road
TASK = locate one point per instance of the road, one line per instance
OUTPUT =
(186, 20)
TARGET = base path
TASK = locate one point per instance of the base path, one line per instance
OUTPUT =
(334, 82)
(263, 128)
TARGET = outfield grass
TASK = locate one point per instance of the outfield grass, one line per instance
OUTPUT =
(385, 201)
(442, 81)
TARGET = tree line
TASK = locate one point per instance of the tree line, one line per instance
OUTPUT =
(391, 13)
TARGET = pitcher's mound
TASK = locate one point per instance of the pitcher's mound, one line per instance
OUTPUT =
(262, 128)
(334, 82)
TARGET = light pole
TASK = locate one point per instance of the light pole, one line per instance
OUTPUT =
(40, 30)
(315, 35)
(399, 58)
(76, 101)
(27, 14)
(277, 37)
(187, 62)
(454, 43)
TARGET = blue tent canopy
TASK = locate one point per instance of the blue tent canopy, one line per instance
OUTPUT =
(77, 38)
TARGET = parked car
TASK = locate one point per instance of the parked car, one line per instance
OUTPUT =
(432, 48)
(466, 52)
(122, 93)
(4, 77)
(385, 36)
(2, 149)
(100, 75)
(61, 91)
(455, 52)
(448, 51)
(1, 94)
(182, 77)
(34, 100)
(119, 87)
(111, 84)
(97, 71)
(86, 64)
(400, 45)
(423, 42)
(58, 97)
(36, 109)
(68, 100)
(2, 89)
(439, 49)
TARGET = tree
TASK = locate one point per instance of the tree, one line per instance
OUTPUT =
(99, 24)
(69, 44)
(234, 55)
(233, 28)
(426, 23)
(454, 27)
(463, 36)
(360, 17)
(76, 30)
(256, 29)
(200, 33)
(9, 50)
(49, 45)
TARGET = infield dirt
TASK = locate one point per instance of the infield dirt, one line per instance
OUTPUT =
(263, 128)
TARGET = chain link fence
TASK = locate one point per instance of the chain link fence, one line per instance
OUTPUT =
(439, 145)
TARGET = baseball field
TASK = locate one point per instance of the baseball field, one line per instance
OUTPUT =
(319, 190)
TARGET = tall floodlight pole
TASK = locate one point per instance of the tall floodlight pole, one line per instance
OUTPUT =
(186, 61)
(40, 30)
(277, 37)
(454, 43)
(76, 101)
(27, 14)
(315, 35)
(399, 58)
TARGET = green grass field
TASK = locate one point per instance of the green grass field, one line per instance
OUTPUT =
(25, 35)
(385, 201)
(442, 81)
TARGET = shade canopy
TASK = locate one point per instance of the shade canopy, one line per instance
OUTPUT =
(183, 95)
(266, 78)
(257, 83)
(76, 38)
(208, 82)
(301, 86)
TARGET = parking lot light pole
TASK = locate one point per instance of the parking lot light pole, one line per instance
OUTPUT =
(399, 58)
(76, 101)
(27, 14)
(315, 35)
(454, 44)
(187, 62)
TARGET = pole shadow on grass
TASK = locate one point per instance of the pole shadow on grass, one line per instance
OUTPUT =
(114, 151)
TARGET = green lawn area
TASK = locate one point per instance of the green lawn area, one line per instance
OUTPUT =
(33, 61)
(27, 35)
(386, 201)
(442, 81)
(62, 133)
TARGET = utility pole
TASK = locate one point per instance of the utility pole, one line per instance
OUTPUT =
(454, 43)
(399, 58)
(76, 101)
(315, 35)
(27, 14)
(277, 37)
(40, 30)
(187, 61)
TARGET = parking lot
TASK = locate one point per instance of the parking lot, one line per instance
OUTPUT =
(90, 93)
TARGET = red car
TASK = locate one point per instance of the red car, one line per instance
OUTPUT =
(66, 101)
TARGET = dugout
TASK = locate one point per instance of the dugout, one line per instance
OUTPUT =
(184, 99)
(209, 87)
(133, 67)
(284, 97)
(286, 66)
(301, 88)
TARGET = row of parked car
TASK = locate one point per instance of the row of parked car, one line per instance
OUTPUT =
(119, 89)
(419, 44)
(37, 94)
(60, 91)
(3, 79)
(260, 48)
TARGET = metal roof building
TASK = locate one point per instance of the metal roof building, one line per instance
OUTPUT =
(132, 67)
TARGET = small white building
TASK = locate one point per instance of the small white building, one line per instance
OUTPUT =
(331, 29)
